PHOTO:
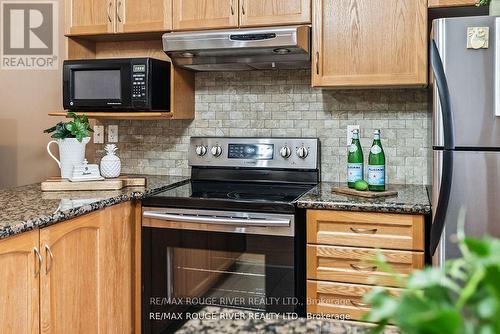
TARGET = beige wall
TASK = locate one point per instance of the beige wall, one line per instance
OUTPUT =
(25, 99)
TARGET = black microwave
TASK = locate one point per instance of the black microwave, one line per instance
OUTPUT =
(129, 84)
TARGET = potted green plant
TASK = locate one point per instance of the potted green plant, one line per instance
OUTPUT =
(461, 298)
(72, 138)
(494, 6)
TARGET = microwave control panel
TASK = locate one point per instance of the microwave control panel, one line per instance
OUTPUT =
(139, 82)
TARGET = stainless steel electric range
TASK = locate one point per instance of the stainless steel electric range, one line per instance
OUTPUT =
(232, 235)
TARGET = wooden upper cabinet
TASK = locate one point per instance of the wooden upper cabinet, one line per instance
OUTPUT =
(451, 3)
(86, 281)
(143, 15)
(274, 12)
(89, 17)
(204, 14)
(369, 43)
(19, 288)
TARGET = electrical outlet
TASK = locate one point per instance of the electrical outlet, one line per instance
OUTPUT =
(349, 133)
(113, 134)
(99, 134)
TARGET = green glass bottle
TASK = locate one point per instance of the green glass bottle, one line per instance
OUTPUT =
(376, 164)
(354, 160)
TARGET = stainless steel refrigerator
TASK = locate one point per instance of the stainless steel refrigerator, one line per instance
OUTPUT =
(465, 59)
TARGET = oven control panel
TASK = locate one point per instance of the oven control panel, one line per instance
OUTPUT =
(287, 153)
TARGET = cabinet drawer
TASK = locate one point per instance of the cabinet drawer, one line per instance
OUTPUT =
(351, 265)
(338, 298)
(362, 229)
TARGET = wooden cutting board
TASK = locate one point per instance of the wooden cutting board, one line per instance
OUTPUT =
(367, 194)
(59, 184)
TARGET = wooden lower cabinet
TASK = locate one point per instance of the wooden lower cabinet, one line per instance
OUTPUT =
(86, 280)
(19, 284)
(340, 299)
(341, 247)
(355, 265)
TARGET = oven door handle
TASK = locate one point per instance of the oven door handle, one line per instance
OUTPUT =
(216, 220)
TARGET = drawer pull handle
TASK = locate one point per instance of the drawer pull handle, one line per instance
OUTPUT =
(364, 230)
(358, 304)
(363, 268)
(49, 264)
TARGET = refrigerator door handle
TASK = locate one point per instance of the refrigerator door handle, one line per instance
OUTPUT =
(449, 144)
(497, 67)
(444, 96)
(443, 201)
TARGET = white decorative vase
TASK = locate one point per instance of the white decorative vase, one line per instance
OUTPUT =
(111, 165)
(71, 152)
(495, 8)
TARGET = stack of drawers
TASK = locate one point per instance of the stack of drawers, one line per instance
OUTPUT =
(338, 245)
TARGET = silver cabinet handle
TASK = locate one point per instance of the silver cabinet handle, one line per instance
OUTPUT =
(363, 268)
(358, 304)
(216, 219)
(364, 230)
(51, 256)
(118, 11)
(243, 7)
(40, 260)
(110, 19)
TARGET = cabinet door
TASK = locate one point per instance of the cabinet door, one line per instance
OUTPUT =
(143, 15)
(19, 288)
(204, 14)
(88, 17)
(87, 281)
(274, 12)
(369, 43)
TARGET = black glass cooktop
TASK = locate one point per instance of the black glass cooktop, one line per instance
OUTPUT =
(252, 196)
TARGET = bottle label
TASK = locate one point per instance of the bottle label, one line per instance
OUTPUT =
(354, 172)
(375, 149)
(353, 148)
(376, 175)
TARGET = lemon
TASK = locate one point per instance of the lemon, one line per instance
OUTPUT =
(361, 185)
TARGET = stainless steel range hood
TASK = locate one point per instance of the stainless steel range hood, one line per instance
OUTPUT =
(240, 49)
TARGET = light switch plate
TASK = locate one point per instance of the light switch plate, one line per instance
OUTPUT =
(113, 134)
(349, 133)
(99, 134)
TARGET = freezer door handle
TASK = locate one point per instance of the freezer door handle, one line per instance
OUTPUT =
(497, 67)
(443, 201)
(444, 96)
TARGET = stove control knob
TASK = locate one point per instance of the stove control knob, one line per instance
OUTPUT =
(285, 152)
(302, 152)
(216, 151)
(201, 150)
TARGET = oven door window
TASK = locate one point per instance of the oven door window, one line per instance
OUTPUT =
(253, 272)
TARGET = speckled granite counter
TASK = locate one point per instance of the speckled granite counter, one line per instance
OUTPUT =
(411, 199)
(25, 208)
(243, 323)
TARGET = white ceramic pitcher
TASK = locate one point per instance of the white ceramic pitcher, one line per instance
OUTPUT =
(71, 152)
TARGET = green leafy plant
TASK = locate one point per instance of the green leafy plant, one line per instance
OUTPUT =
(462, 298)
(482, 2)
(78, 128)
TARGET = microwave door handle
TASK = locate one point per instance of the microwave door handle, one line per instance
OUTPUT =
(216, 220)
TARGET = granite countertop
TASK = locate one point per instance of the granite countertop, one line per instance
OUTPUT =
(412, 199)
(220, 321)
(27, 207)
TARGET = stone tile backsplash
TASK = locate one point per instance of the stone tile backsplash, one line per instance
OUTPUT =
(282, 103)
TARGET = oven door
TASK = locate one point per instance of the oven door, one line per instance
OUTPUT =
(231, 259)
